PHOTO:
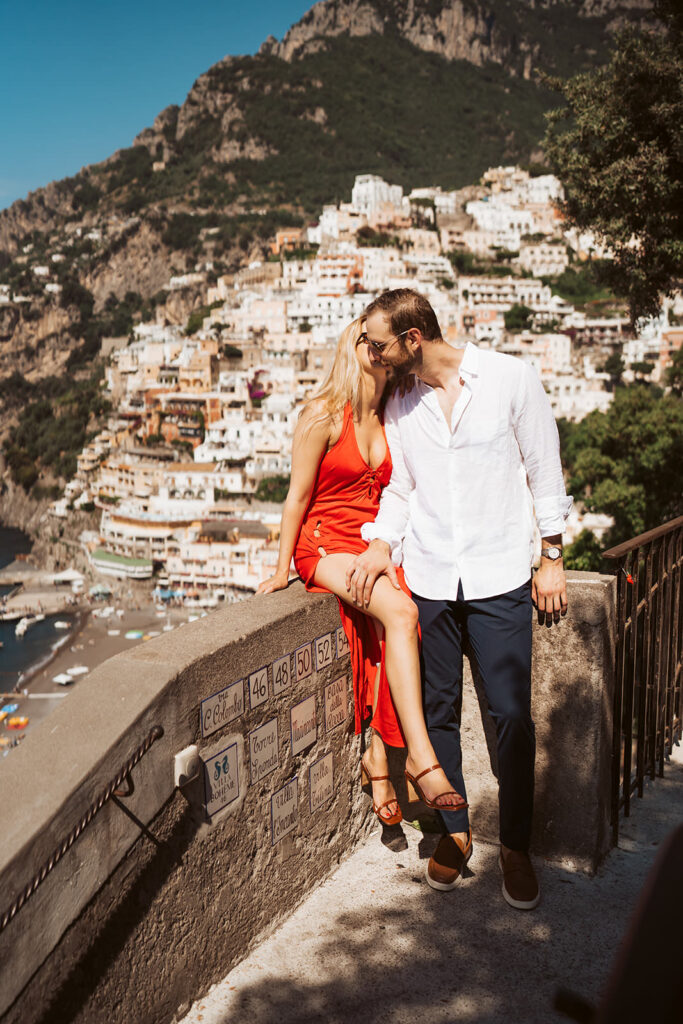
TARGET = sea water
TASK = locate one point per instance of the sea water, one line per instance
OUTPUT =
(20, 657)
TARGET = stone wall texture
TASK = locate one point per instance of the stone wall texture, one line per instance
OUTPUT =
(133, 926)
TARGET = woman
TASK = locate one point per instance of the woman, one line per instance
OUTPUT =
(340, 464)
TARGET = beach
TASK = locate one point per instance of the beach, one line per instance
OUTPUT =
(88, 645)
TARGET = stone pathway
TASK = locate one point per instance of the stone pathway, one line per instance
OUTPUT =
(374, 942)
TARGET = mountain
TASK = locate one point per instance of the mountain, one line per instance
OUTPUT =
(419, 91)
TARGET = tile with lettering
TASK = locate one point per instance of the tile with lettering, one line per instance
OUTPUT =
(303, 724)
(303, 661)
(221, 708)
(282, 675)
(221, 779)
(284, 810)
(321, 782)
(324, 652)
(257, 684)
(336, 704)
(342, 642)
(264, 752)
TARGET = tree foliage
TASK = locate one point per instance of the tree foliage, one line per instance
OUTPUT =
(628, 462)
(617, 146)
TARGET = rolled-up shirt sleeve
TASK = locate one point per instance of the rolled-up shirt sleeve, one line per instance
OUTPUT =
(539, 443)
(390, 524)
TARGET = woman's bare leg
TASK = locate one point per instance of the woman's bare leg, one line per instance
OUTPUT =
(397, 614)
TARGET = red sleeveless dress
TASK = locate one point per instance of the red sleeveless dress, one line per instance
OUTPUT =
(345, 495)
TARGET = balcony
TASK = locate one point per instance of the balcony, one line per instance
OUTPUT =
(126, 896)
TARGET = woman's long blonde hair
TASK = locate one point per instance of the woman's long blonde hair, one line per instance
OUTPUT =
(342, 383)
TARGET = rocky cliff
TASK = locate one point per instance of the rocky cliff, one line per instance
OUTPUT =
(500, 33)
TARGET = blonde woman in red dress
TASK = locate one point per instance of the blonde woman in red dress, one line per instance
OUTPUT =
(340, 465)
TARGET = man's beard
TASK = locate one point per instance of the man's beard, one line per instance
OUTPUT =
(405, 363)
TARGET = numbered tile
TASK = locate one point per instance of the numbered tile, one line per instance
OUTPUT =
(342, 642)
(303, 661)
(221, 779)
(323, 651)
(321, 782)
(264, 753)
(284, 810)
(281, 675)
(303, 724)
(258, 688)
(336, 704)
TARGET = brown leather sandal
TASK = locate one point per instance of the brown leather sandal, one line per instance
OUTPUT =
(415, 792)
(367, 779)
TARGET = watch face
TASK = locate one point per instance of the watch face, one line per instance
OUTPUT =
(552, 553)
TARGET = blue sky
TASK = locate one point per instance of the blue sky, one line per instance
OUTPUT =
(80, 79)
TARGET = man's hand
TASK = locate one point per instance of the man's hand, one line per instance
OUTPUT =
(363, 572)
(549, 592)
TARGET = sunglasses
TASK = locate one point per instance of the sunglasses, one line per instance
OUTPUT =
(381, 346)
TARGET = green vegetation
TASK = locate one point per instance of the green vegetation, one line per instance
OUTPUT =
(582, 284)
(674, 373)
(197, 317)
(366, 236)
(518, 317)
(272, 488)
(53, 424)
(585, 554)
(628, 462)
(618, 148)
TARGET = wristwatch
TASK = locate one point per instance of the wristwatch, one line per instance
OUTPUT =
(552, 553)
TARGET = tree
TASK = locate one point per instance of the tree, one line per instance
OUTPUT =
(517, 317)
(585, 554)
(674, 373)
(614, 365)
(618, 148)
(642, 368)
(628, 462)
(272, 488)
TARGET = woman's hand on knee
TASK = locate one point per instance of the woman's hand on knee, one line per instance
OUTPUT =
(366, 568)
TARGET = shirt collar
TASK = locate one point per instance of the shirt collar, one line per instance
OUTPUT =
(469, 367)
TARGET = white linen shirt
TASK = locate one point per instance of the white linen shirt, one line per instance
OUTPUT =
(461, 500)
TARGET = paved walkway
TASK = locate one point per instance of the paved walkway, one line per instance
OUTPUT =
(375, 943)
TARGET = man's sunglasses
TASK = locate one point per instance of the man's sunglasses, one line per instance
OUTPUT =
(380, 346)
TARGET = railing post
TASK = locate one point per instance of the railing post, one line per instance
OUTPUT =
(630, 679)
(649, 663)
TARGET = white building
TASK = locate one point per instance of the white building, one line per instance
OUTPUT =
(370, 193)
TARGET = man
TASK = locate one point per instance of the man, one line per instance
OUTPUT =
(472, 443)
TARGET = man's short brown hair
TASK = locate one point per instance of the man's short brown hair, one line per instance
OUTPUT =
(406, 308)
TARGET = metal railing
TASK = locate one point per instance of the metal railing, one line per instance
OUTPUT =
(647, 698)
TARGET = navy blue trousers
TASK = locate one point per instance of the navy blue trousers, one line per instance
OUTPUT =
(499, 633)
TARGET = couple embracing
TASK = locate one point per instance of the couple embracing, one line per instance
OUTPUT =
(414, 506)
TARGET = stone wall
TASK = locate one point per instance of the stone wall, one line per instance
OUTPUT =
(133, 927)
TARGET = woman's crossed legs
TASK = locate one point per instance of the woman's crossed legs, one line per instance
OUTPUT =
(397, 614)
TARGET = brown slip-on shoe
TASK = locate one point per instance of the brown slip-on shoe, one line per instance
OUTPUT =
(445, 866)
(520, 886)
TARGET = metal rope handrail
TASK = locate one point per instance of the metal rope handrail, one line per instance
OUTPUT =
(156, 733)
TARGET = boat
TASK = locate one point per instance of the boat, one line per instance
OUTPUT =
(78, 670)
(61, 624)
(17, 722)
(63, 679)
(21, 626)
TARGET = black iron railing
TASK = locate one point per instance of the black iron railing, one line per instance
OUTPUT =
(647, 698)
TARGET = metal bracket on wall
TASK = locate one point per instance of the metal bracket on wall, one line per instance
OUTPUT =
(109, 793)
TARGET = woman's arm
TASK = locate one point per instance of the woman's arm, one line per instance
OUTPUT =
(311, 440)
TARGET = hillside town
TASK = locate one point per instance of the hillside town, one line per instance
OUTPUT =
(190, 470)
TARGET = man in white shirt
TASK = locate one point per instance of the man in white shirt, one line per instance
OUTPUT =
(475, 454)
